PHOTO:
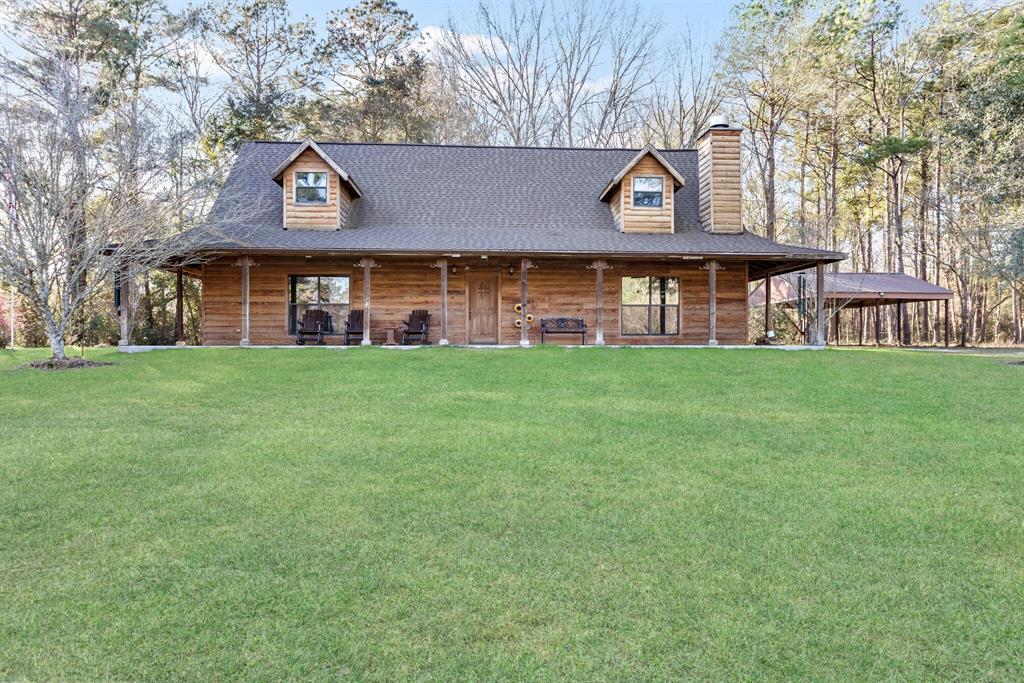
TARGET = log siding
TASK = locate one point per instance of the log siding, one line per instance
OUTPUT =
(562, 287)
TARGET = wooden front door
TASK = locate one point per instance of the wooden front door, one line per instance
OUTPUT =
(483, 308)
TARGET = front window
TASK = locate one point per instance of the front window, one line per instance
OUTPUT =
(324, 292)
(650, 305)
(647, 191)
(311, 188)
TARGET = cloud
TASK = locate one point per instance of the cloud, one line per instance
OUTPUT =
(431, 37)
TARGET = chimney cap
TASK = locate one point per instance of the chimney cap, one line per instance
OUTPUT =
(719, 121)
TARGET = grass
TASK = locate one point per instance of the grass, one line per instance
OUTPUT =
(451, 514)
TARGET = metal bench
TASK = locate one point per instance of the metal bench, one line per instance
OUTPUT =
(563, 326)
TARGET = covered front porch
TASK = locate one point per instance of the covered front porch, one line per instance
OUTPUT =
(480, 299)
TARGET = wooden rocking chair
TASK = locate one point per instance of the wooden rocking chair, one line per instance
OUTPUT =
(416, 328)
(315, 323)
(353, 326)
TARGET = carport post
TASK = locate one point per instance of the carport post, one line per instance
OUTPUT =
(945, 317)
(899, 324)
(878, 324)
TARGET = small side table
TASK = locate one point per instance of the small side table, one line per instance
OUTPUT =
(389, 338)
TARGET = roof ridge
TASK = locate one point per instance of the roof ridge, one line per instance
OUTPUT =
(468, 146)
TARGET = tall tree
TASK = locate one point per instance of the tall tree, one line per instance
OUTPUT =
(373, 80)
(765, 67)
(260, 48)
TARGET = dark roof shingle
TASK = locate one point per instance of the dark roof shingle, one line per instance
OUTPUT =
(440, 199)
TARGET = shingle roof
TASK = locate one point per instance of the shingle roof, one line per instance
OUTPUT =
(441, 199)
(852, 289)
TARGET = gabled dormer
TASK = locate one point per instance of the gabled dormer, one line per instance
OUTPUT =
(641, 196)
(317, 192)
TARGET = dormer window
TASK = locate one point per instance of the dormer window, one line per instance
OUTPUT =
(648, 191)
(310, 187)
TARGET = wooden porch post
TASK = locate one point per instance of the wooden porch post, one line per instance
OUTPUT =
(767, 305)
(712, 268)
(819, 305)
(367, 264)
(524, 335)
(179, 310)
(835, 321)
(443, 265)
(599, 266)
(945, 323)
(245, 262)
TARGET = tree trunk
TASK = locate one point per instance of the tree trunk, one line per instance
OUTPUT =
(922, 258)
(965, 309)
(901, 267)
(938, 228)
(55, 335)
(1014, 315)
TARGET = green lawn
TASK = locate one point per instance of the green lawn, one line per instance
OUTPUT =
(452, 514)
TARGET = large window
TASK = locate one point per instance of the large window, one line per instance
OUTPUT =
(648, 191)
(325, 292)
(310, 188)
(650, 305)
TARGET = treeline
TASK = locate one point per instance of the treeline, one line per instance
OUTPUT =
(896, 139)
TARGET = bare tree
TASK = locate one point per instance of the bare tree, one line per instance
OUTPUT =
(678, 109)
(579, 33)
(83, 203)
(614, 117)
(502, 69)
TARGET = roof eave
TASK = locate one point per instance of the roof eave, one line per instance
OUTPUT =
(647, 149)
(309, 143)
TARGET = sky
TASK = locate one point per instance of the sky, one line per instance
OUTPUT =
(711, 17)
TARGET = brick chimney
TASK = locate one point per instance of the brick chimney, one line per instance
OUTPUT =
(718, 164)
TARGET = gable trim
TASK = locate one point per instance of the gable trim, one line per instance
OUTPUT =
(647, 149)
(309, 143)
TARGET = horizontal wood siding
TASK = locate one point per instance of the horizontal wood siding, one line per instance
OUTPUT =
(644, 219)
(317, 216)
(718, 166)
(615, 204)
(556, 288)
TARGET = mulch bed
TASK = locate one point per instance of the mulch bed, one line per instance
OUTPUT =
(66, 364)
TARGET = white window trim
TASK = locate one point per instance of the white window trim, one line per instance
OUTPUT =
(632, 193)
(295, 189)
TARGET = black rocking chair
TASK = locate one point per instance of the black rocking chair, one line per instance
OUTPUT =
(353, 326)
(416, 330)
(315, 323)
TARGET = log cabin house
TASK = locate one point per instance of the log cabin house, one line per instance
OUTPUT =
(646, 246)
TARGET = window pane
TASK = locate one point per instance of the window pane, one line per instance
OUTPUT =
(635, 290)
(311, 180)
(672, 290)
(311, 195)
(646, 184)
(304, 289)
(311, 188)
(334, 290)
(664, 290)
(665, 320)
(647, 192)
(635, 320)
